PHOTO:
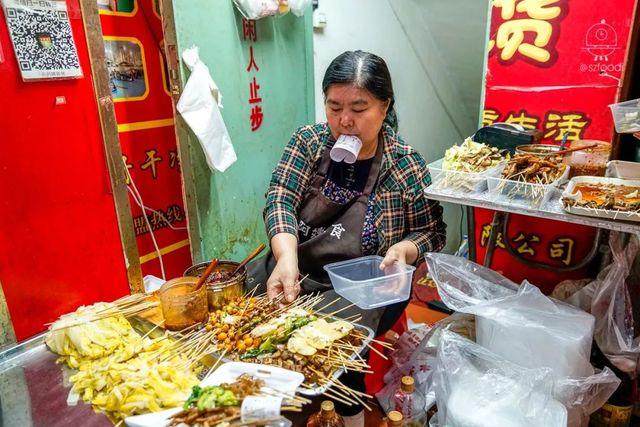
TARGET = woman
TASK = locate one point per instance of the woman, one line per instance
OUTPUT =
(320, 211)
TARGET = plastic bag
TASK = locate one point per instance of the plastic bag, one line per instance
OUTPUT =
(201, 111)
(256, 9)
(476, 388)
(298, 7)
(418, 360)
(583, 396)
(519, 324)
(607, 298)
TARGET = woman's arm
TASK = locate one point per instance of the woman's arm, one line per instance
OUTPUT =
(284, 277)
(286, 190)
(426, 231)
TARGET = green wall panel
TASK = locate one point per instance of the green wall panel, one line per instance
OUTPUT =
(225, 209)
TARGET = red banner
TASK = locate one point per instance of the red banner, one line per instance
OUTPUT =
(553, 65)
(133, 39)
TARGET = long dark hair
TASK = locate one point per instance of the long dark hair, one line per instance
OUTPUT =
(367, 71)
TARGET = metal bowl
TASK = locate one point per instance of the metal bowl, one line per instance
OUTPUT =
(221, 292)
(537, 149)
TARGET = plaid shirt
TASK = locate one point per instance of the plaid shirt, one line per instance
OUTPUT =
(400, 208)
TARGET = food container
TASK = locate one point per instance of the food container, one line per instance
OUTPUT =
(351, 353)
(465, 182)
(571, 193)
(589, 162)
(219, 292)
(362, 282)
(523, 193)
(623, 170)
(181, 306)
(626, 116)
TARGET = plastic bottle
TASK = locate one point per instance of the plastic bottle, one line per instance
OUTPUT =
(327, 417)
(410, 403)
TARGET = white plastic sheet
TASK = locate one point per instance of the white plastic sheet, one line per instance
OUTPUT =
(201, 111)
(607, 298)
(476, 388)
(519, 324)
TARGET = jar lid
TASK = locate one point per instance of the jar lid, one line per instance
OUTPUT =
(407, 384)
(327, 406)
(395, 417)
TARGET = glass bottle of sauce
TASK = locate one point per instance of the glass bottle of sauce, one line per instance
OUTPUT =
(409, 402)
(327, 417)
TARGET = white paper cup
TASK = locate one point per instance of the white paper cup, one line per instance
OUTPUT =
(346, 149)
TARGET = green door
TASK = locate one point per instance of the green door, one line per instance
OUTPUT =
(264, 70)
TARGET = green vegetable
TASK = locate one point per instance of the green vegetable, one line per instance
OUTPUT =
(279, 336)
(210, 397)
(196, 392)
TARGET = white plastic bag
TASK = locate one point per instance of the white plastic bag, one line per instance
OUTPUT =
(256, 9)
(583, 396)
(200, 110)
(418, 359)
(519, 324)
(298, 7)
(476, 388)
(607, 298)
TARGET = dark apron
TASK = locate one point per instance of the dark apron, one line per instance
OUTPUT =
(331, 232)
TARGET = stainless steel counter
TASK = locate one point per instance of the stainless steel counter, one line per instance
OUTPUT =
(34, 390)
(550, 210)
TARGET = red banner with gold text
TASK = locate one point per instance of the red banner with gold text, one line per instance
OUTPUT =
(553, 65)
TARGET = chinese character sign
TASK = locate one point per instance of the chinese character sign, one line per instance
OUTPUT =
(256, 114)
(555, 66)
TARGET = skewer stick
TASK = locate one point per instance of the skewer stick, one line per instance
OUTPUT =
(338, 311)
(152, 329)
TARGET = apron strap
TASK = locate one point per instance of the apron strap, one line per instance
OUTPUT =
(375, 169)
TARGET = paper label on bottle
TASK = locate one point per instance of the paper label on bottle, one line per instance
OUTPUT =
(260, 408)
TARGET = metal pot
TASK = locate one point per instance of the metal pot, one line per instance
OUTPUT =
(220, 293)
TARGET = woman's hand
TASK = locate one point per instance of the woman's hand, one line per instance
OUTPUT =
(405, 252)
(284, 278)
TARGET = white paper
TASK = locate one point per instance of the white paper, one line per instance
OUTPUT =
(256, 408)
(201, 111)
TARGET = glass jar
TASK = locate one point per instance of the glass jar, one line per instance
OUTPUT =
(181, 306)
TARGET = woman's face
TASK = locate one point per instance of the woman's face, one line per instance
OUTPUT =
(354, 111)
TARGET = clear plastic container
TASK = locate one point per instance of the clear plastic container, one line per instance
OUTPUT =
(465, 182)
(362, 282)
(626, 116)
(589, 162)
(523, 193)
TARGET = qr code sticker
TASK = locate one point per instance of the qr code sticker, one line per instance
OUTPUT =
(42, 39)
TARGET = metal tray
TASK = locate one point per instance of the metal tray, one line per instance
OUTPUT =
(599, 213)
(318, 390)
